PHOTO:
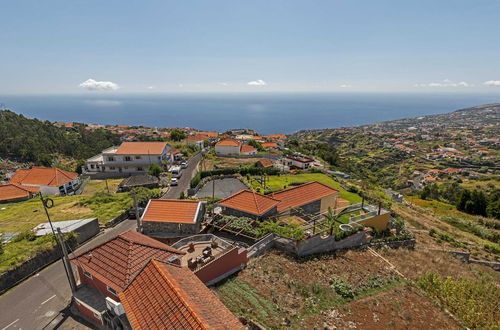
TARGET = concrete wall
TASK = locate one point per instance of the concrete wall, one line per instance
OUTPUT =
(170, 229)
(329, 201)
(87, 231)
(378, 222)
(88, 313)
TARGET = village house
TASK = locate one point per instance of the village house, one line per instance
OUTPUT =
(48, 181)
(15, 193)
(106, 270)
(232, 147)
(265, 163)
(167, 296)
(246, 203)
(270, 146)
(136, 181)
(130, 157)
(297, 161)
(172, 218)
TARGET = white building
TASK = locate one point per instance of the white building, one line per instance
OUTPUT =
(227, 147)
(130, 157)
(48, 181)
(298, 161)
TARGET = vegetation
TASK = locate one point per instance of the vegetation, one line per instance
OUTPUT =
(41, 141)
(241, 171)
(473, 301)
(292, 230)
(177, 135)
(325, 151)
(155, 170)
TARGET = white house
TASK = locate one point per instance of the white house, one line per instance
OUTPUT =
(298, 161)
(130, 157)
(48, 181)
(227, 147)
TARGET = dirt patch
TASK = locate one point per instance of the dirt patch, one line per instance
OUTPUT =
(399, 308)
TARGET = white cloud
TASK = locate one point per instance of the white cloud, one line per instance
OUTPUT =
(345, 86)
(444, 83)
(258, 82)
(151, 87)
(492, 83)
(93, 85)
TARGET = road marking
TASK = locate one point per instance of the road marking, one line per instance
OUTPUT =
(47, 300)
(10, 324)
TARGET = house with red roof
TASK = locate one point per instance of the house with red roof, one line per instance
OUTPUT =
(270, 145)
(167, 296)
(15, 193)
(130, 158)
(107, 269)
(307, 198)
(265, 163)
(48, 181)
(232, 147)
(171, 218)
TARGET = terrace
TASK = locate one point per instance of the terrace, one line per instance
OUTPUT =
(201, 249)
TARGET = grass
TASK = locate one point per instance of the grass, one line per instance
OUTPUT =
(93, 186)
(16, 253)
(278, 182)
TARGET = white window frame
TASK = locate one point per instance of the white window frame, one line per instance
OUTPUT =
(87, 274)
(111, 290)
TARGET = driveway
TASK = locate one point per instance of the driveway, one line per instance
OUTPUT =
(41, 302)
(174, 192)
(223, 188)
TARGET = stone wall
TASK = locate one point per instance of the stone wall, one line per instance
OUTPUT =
(33, 265)
(164, 229)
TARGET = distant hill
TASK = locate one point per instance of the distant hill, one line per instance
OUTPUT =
(37, 141)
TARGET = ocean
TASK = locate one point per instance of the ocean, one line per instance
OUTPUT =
(266, 113)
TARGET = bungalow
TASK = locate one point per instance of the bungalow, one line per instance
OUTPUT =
(298, 161)
(106, 270)
(247, 150)
(270, 145)
(171, 218)
(130, 157)
(265, 163)
(48, 181)
(232, 147)
(15, 193)
(167, 296)
(249, 204)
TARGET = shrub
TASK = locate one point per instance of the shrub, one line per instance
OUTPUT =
(195, 181)
(293, 231)
(341, 287)
(25, 235)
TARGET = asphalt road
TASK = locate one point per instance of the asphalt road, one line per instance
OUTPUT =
(174, 192)
(42, 301)
(223, 188)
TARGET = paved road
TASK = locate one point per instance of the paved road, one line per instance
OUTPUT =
(187, 174)
(223, 188)
(41, 302)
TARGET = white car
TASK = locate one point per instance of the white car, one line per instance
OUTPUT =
(174, 182)
(184, 165)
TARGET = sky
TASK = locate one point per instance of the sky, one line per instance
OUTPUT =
(149, 46)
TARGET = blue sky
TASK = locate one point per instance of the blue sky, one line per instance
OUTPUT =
(227, 46)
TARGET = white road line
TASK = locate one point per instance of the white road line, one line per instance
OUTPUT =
(47, 300)
(10, 324)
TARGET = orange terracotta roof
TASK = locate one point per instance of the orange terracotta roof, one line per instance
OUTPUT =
(228, 143)
(303, 194)
(266, 162)
(172, 210)
(269, 145)
(13, 191)
(210, 134)
(166, 296)
(118, 260)
(249, 202)
(52, 177)
(247, 148)
(141, 148)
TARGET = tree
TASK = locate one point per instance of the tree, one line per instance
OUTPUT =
(155, 170)
(256, 145)
(177, 135)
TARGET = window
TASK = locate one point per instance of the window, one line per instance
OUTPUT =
(111, 159)
(112, 168)
(92, 166)
(113, 291)
(87, 274)
(159, 157)
(140, 169)
(137, 157)
(128, 158)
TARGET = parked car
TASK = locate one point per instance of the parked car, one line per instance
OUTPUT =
(131, 212)
(184, 165)
(174, 182)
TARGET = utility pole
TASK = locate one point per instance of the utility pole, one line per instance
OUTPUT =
(137, 217)
(47, 204)
(107, 187)
(213, 188)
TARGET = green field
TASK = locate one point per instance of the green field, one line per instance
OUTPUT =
(279, 182)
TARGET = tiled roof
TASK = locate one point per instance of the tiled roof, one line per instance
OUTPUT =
(141, 148)
(12, 191)
(303, 194)
(118, 260)
(269, 145)
(172, 210)
(165, 296)
(228, 143)
(266, 162)
(249, 202)
(247, 148)
(53, 177)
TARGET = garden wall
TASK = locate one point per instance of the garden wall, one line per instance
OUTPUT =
(33, 265)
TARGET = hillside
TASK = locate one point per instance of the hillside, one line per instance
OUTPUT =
(40, 142)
